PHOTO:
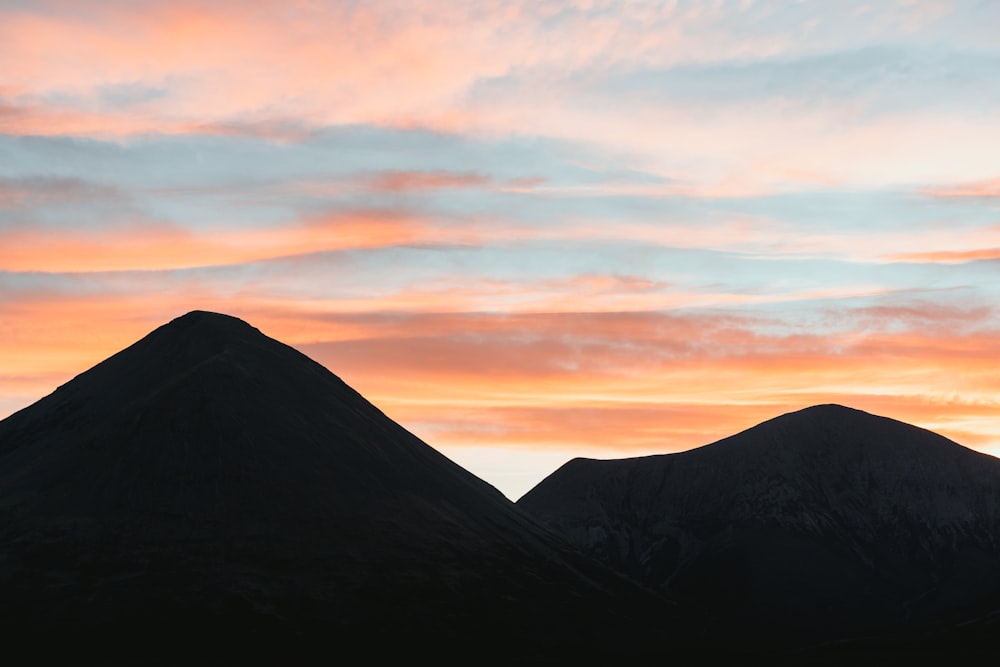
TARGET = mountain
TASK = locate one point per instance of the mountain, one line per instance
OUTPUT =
(824, 525)
(211, 493)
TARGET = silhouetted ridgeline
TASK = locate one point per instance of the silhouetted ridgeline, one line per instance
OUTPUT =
(211, 489)
(212, 495)
(819, 526)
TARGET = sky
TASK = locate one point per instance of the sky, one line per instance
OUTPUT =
(525, 230)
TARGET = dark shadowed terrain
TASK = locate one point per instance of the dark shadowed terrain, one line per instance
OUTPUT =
(212, 494)
(825, 532)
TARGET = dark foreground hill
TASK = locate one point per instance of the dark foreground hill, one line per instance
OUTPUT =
(212, 494)
(821, 528)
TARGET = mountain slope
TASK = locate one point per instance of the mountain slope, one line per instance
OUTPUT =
(818, 525)
(210, 485)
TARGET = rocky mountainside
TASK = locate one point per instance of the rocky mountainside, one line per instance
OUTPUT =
(211, 489)
(822, 525)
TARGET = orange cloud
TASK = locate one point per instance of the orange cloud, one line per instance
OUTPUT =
(589, 362)
(404, 181)
(157, 246)
(330, 62)
(583, 383)
(950, 256)
(36, 120)
(582, 428)
(980, 189)
(154, 245)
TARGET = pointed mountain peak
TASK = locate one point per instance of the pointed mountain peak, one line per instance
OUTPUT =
(824, 413)
(191, 340)
(836, 412)
(200, 354)
(205, 318)
(205, 325)
(211, 485)
(833, 409)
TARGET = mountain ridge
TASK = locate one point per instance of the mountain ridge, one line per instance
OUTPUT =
(829, 520)
(210, 485)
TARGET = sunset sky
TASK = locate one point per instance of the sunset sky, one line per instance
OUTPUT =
(526, 231)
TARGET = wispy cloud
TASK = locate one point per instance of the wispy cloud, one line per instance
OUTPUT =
(404, 181)
(806, 76)
(987, 189)
(155, 246)
(951, 256)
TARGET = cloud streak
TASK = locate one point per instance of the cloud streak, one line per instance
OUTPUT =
(988, 189)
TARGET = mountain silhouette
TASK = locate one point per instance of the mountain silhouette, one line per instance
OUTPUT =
(209, 486)
(824, 525)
